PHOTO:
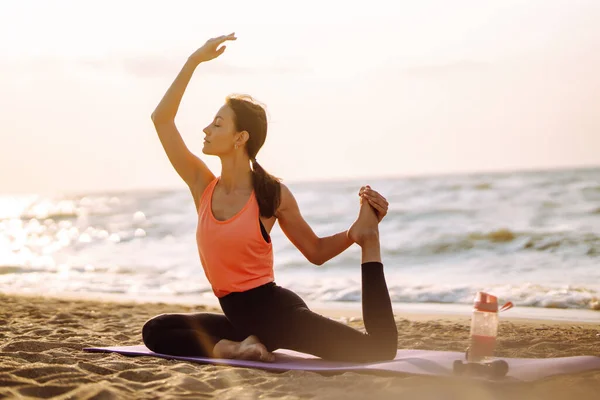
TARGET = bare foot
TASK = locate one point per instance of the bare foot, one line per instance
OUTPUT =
(365, 228)
(249, 349)
(365, 232)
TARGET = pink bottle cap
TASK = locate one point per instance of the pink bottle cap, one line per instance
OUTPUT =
(486, 302)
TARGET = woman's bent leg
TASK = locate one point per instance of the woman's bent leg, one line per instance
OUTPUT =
(194, 334)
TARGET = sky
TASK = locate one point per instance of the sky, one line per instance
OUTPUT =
(352, 89)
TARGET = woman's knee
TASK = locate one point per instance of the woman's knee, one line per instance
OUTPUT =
(152, 329)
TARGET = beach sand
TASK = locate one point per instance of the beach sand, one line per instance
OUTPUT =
(41, 341)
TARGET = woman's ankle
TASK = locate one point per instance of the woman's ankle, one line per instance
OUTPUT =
(371, 251)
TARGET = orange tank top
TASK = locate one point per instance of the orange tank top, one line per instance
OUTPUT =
(233, 253)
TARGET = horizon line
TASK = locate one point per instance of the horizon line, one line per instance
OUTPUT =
(383, 177)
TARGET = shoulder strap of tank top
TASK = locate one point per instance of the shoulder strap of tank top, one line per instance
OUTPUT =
(208, 190)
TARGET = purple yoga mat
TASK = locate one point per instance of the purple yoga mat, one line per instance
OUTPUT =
(420, 362)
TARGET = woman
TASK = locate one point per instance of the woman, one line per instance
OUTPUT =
(236, 212)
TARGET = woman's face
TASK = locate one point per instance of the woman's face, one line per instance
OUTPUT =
(221, 135)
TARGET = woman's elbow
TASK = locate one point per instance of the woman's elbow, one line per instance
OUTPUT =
(317, 261)
(158, 117)
(315, 258)
(315, 254)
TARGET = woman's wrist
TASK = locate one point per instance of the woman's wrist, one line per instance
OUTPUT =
(193, 62)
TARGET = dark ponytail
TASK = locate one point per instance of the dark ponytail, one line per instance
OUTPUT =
(267, 189)
(252, 118)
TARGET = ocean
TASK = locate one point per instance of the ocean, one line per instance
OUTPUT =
(531, 237)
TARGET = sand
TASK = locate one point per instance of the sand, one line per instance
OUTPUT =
(41, 341)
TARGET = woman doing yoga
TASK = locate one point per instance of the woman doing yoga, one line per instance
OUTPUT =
(236, 212)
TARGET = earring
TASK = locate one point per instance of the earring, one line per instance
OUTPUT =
(236, 146)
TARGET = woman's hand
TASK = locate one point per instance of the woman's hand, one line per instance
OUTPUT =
(209, 51)
(377, 201)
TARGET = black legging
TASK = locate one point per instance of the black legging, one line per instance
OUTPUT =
(281, 319)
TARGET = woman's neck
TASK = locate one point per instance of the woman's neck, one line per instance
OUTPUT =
(235, 173)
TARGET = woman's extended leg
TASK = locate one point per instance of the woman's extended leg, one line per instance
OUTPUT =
(284, 321)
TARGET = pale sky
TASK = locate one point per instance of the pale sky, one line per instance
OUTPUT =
(369, 89)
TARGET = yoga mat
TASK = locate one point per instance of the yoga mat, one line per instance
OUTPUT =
(420, 362)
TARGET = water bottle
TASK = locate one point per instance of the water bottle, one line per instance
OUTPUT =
(484, 328)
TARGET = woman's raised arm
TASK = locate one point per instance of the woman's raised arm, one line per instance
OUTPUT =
(189, 167)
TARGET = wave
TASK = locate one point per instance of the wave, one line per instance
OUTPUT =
(140, 280)
(524, 295)
(498, 236)
(12, 269)
(85, 268)
(56, 216)
(586, 244)
(401, 215)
